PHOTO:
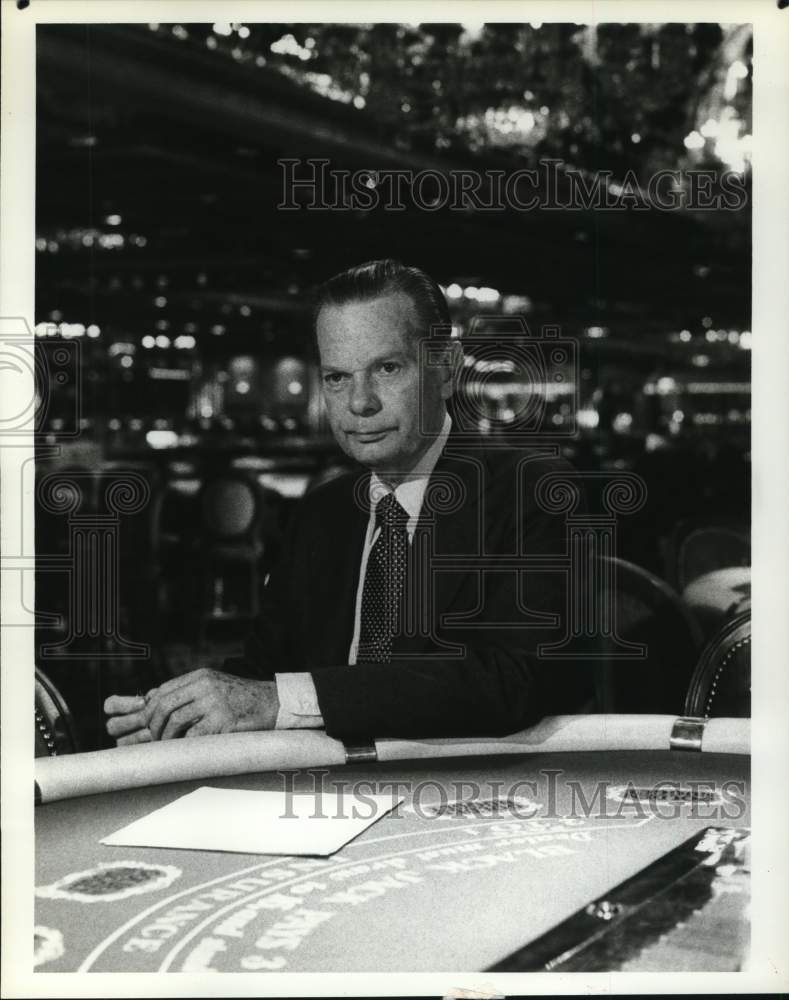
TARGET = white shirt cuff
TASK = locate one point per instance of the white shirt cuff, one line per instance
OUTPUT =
(298, 702)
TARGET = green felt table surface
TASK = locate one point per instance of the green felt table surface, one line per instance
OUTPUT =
(432, 886)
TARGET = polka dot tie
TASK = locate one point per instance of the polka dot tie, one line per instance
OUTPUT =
(384, 582)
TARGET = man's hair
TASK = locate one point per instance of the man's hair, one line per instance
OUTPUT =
(383, 277)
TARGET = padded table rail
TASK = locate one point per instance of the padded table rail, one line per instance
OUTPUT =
(243, 753)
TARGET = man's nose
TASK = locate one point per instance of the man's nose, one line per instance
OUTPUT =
(363, 398)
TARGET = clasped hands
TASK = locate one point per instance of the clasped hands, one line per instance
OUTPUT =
(199, 703)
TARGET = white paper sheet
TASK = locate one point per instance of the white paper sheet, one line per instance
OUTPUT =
(250, 822)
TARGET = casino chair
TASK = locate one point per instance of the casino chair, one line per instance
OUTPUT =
(56, 733)
(174, 527)
(229, 548)
(721, 682)
(698, 547)
(326, 475)
(649, 612)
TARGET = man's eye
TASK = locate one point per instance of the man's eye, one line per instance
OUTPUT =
(333, 379)
(390, 367)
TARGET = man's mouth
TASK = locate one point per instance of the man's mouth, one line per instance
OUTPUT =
(369, 437)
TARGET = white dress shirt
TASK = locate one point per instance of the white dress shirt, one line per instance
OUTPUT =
(298, 700)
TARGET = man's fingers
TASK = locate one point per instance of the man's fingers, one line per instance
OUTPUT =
(120, 704)
(120, 725)
(141, 736)
(180, 720)
(162, 707)
(162, 713)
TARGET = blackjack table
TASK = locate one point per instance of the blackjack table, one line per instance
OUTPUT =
(588, 843)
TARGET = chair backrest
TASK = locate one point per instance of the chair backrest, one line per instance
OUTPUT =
(55, 730)
(230, 506)
(326, 475)
(701, 549)
(721, 682)
(646, 610)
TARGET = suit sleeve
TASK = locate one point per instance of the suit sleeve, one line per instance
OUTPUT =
(500, 685)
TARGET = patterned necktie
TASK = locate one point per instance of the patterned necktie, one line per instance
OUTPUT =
(383, 583)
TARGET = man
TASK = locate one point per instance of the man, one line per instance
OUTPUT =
(393, 611)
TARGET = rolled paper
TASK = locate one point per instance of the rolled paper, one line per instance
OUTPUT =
(243, 753)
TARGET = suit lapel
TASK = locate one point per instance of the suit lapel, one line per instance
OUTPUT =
(451, 523)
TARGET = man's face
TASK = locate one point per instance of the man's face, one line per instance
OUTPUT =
(383, 410)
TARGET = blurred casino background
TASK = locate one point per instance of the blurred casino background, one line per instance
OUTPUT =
(161, 253)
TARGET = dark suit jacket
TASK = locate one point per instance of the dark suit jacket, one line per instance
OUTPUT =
(476, 676)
